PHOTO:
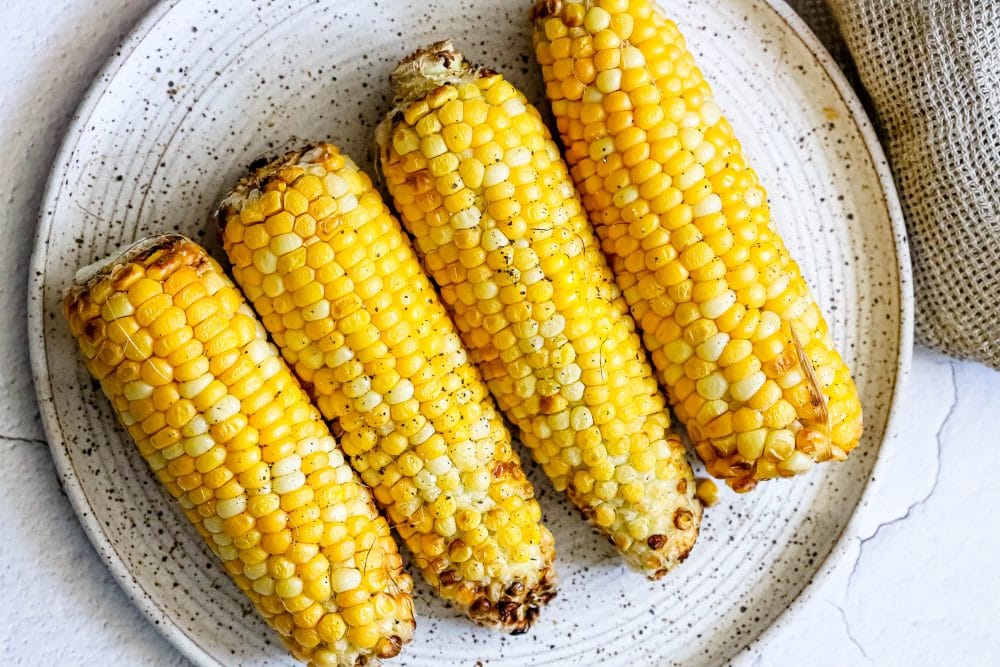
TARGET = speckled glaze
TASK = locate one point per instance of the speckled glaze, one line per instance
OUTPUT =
(195, 94)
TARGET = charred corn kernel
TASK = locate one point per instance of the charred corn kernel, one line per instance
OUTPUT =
(536, 304)
(719, 262)
(395, 379)
(215, 463)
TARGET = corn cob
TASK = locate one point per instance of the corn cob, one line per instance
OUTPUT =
(340, 290)
(480, 185)
(737, 338)
(228, 431)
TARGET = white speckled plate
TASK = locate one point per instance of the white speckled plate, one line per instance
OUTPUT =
(197, 93)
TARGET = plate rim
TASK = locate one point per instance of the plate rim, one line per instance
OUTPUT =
(69, 480)
(864, 509)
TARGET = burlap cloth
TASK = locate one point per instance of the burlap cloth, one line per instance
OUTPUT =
(929, 71)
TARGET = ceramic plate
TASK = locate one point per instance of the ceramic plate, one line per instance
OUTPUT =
(196, 93)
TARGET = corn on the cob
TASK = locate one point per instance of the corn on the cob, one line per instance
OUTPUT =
(480, 185)
(339, 288)
(229, 432)
(737, 338)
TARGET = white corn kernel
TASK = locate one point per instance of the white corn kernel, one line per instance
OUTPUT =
(581, 418)
(265, 261)
(401, 392)
(796, 464)
(714, 308)
(316, 311)
(609, 80)
(466, 219)
(213, 524)
(790, 379)
(264, 586)
(625, 196)
(199, 444)
(423, 435)
(693, 175)
(230, 507)
(224, 408)
(335, 185)
(632, 58)
(192, 388)
(496, 173)
(255, 571)
(743, 390)
(137, 390)
(286, 466)
(345, 579)
(357, 387)
(712, 387)
(753, 197)
(347, 203)
(258, 350)
(288, 483)
(196, 426)
(710, 114)
(596, 20)
(517, 156)
(690, 138)
(778, 286)
(711, 349)
(285, 243)
(769, 325)
(591, 95)
(368, 402)
(707, 206)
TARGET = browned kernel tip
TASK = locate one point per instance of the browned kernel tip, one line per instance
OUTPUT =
(682, 486)
(449, 577)
(572, 19)
(683, 519)
(742, 484)
(657, 541)
(545, 8)
(515, 608)
(389, 647)
(504, 469)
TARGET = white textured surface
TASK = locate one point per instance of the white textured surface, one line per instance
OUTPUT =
(923, 589)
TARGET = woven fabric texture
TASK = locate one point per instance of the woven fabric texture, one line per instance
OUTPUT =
(931, 70)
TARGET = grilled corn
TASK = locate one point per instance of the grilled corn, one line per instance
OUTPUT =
(226, 428)
(734, 332)
(340, 290)
(480, 185)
